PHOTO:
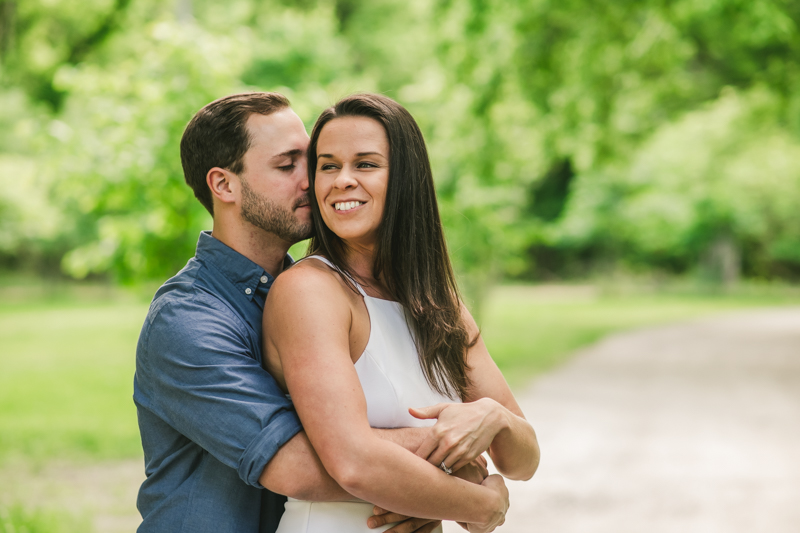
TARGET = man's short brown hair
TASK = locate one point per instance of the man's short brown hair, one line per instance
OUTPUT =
(217, 136)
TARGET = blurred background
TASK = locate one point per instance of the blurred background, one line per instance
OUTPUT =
(600, 166)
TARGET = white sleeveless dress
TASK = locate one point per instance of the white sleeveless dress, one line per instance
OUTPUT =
(392, 380)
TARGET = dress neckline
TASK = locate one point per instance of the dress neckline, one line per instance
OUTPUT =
(350, 277)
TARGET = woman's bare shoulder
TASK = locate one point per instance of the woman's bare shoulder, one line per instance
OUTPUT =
(308, 279)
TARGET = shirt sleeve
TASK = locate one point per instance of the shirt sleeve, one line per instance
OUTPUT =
(196, 371)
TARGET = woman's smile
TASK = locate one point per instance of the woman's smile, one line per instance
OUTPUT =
(347, 206)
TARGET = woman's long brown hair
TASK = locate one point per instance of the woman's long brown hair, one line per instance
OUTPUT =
(410, 254)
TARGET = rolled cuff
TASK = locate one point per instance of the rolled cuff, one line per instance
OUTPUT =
(260, 451)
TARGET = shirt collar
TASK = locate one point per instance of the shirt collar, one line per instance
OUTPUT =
(245, 275)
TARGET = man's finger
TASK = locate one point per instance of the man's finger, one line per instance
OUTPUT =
(427, 447)
(428, 528)
(408, 525)
(387, 518)
(415, 525)
(432, 411)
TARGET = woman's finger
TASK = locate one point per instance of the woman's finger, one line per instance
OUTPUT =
(460, 456)
(432, 411)
(438, 456)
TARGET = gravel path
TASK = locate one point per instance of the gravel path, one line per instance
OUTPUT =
(687, 428)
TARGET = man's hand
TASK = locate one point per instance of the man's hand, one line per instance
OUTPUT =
(405, 524)
(474, 472)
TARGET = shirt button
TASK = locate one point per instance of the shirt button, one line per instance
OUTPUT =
(264, 279)
(248, 290)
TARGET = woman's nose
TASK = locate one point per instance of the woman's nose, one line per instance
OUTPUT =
(344, 179)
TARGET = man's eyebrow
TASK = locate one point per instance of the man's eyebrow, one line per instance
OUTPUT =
(359, 154)
(289, 153)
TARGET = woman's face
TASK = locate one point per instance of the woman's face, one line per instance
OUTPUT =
(352, 177)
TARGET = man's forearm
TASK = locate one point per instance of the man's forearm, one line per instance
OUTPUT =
(296, 471)
(408, 438)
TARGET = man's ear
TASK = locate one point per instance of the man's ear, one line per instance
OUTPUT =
(224, 185)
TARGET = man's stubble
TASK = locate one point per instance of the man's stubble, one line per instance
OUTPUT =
(265, 214)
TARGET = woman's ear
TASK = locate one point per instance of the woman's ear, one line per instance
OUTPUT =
(223, 184)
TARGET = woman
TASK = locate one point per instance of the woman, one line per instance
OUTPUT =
(373, 327)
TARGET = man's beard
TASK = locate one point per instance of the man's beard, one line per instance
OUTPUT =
(269, 216)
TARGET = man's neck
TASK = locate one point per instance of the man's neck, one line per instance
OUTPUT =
(263, 248)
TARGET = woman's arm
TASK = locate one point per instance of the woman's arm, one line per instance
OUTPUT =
(490, 419)
(309, 320)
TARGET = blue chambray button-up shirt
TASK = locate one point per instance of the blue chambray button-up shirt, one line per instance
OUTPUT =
(210, 417)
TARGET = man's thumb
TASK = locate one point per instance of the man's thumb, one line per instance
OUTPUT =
(431, 411)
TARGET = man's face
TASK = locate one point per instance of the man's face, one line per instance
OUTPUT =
(274, 182)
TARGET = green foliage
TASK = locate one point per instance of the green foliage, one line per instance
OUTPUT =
(727, 169)
(641, 133)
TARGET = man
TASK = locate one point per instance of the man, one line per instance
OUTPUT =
(216, 429)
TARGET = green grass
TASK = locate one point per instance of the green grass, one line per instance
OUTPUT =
(17, 519)
(67, 354)
(66, 375)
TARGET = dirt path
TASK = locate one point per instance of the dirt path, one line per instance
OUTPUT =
(103, 491)
(692, 427)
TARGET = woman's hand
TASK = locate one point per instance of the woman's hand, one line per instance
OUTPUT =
(463, 431)
(496, 483)
(475, 472)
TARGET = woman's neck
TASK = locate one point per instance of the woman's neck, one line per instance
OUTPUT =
(360, 261)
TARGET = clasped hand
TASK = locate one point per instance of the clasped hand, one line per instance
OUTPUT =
(462, 432)
(475, 472)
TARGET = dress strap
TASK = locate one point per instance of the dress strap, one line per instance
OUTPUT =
(337, 269)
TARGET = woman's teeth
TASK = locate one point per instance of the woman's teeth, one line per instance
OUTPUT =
(346, 206)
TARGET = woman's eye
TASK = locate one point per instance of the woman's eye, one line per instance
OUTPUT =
(367, 164)
(326, 166)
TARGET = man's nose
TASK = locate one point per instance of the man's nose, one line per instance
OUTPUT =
(302, 168)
